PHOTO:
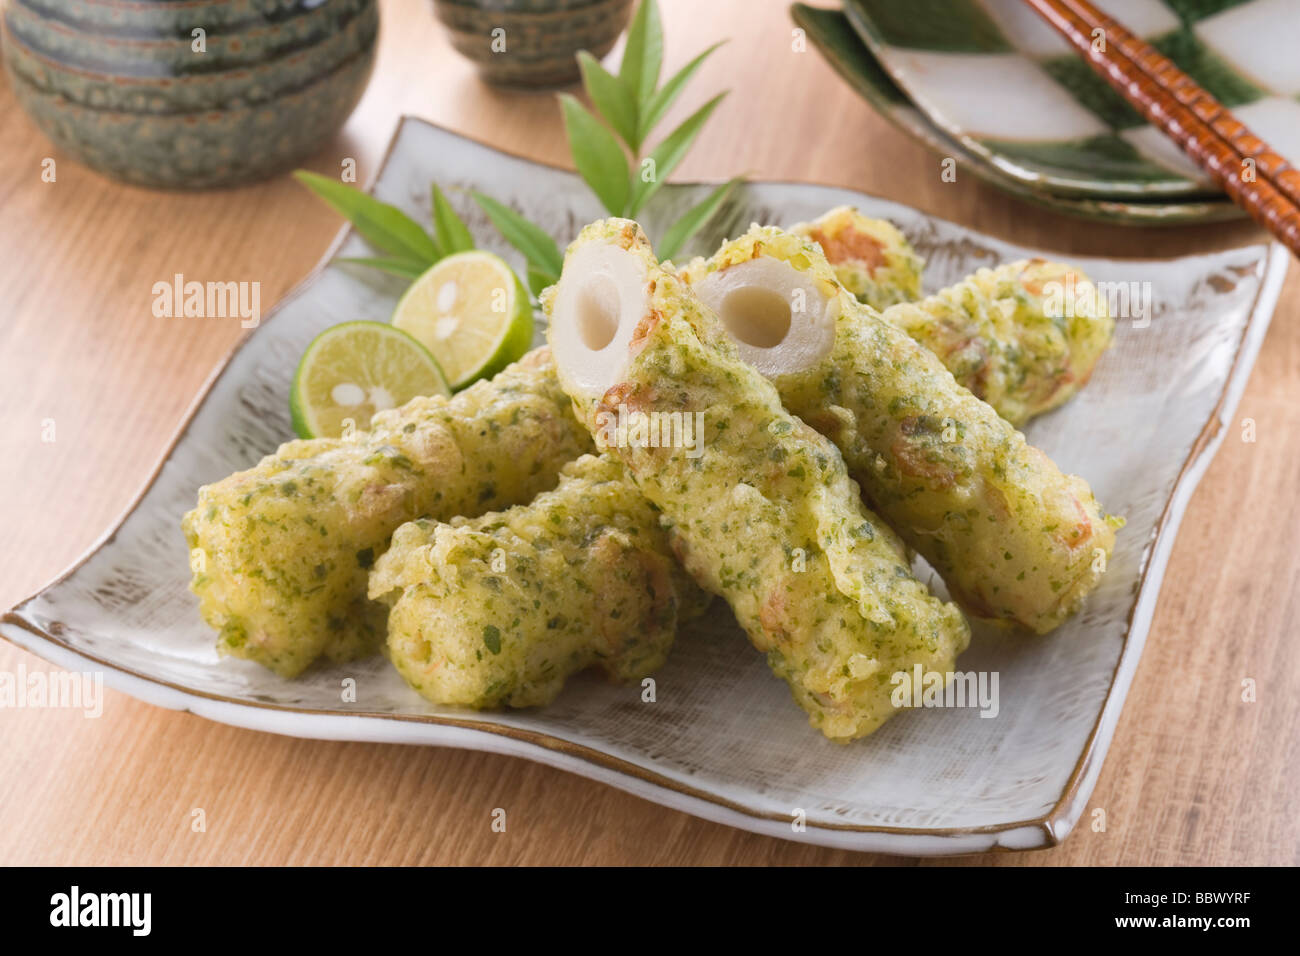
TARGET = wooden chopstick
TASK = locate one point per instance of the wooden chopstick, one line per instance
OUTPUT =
(1170, 99)
(1196, 98)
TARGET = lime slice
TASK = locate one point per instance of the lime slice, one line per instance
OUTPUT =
(353, 370)
(471, 312)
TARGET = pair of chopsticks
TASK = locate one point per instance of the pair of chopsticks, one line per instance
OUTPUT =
(1248, 169)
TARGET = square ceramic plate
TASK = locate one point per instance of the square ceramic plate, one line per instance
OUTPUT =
(723, 740)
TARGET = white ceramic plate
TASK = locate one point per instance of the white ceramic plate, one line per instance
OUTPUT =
(723, 740)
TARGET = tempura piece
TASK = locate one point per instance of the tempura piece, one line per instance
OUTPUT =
(761, 510)
(1013, 537)
(1024, 337)
(281, 552)
(500, 610)
(872, 259)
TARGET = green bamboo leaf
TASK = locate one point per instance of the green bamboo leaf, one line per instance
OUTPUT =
(383, 226)
(694, 219)
(537, 280)
(597, 155)
(406, 268)
(453, 234)
(611, 97)
(643, 53)
(538, 247)
(668, 154)
(665, 95)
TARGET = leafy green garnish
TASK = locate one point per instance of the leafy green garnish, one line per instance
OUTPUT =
(412, 249)
(644, 51)
(658, 104)
(669, 153)
(694, 219)
(611, 97)
(538, 281)
(543, 254)
(606, 147)
(597, 155)
(453, 234)
(406, 268)
(631, 104)
(383, 226)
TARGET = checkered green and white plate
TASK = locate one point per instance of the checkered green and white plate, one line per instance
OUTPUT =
(831, 33)
(999, 80)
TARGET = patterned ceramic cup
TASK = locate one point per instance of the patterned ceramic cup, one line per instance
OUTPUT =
(137, 92)
(532, 42)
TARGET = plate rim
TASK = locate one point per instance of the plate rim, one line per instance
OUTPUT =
(1049, 828)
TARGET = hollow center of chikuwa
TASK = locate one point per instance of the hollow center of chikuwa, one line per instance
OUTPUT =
(756, 316)
(598, 312)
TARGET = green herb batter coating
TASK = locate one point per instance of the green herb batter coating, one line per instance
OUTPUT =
(872, 259)
(1013, 537)
(1023, 337)
(501, 609)
(765, 514)
(281, 553)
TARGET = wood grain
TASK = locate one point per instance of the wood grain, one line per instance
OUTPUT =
(1194, 775)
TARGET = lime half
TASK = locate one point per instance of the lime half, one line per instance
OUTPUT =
(471, 311)
(353, 370)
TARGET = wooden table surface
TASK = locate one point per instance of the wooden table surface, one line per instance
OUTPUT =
(1194, 775)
